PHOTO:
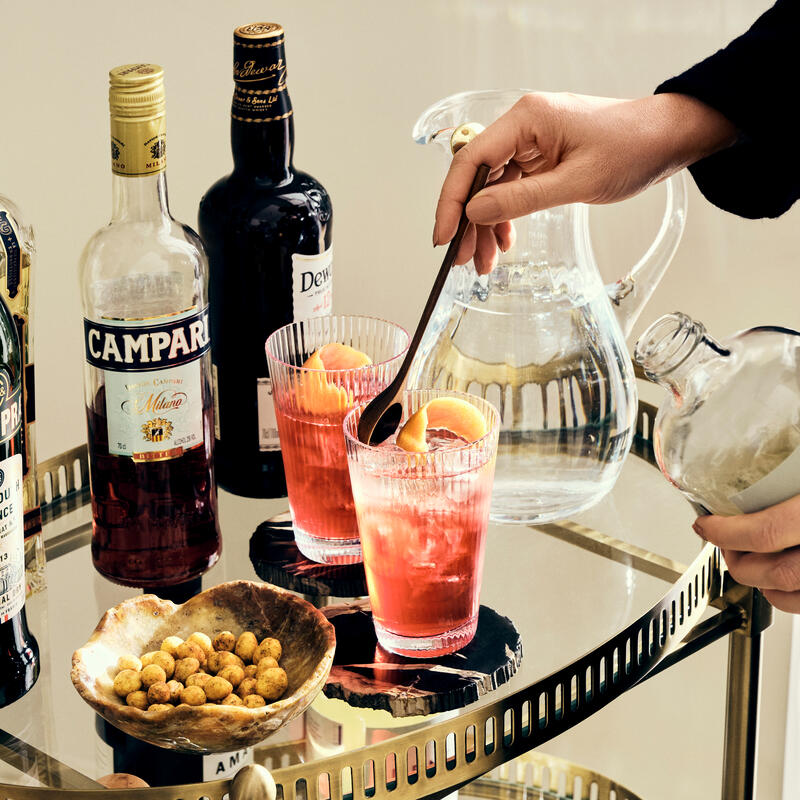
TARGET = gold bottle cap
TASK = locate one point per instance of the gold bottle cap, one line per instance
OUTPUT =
(259, 30)
(136, 90)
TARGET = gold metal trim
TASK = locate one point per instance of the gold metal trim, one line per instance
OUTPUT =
(546, 773)
(259, 119)
(614, 549)
(242, 90)
(253, 46)
(61, 490)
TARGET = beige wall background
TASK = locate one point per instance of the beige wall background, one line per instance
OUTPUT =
(359, 74)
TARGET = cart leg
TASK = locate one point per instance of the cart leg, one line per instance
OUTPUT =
(741, 713)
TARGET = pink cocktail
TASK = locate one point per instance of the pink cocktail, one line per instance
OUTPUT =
(310, 406)
(422, 518)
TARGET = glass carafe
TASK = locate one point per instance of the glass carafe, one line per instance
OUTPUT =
(540, 338)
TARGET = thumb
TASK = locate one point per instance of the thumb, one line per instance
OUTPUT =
(504, 201)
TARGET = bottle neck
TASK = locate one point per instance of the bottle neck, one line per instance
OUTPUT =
(262, 126)
(139, 199)
(264, 149)
(138, 166)
(672, 347)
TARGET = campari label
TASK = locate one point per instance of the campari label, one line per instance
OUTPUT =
(153, 382)
(312, 284)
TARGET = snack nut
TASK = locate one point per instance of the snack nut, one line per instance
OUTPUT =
(184, 668)
(171, 644)
(127, 681)
(151, 674)
(165, 661)
(254, 701)
(193, 696)
(218, 688)
(271, 683)
(191, 650)
(233, 674)
(203, 641)
(245, 645)
(129, 662)
(138, 699)
(158, 693)
(224, 641)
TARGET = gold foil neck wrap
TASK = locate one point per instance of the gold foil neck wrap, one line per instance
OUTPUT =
(138, 122)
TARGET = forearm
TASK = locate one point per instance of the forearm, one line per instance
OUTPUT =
(685, 129)
(751, 82)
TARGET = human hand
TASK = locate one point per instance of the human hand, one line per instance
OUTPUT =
(553, 149)
(761, 550)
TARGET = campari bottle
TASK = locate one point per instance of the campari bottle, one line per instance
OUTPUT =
(148, 382)
(19, 652)
(267, 229)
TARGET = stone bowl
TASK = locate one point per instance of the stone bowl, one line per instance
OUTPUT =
(140, 624)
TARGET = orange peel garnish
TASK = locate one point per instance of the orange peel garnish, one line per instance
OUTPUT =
(340, 356)
(452, 413)
(318, 394)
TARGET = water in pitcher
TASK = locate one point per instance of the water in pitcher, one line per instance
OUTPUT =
(543, 339)
(563, 389)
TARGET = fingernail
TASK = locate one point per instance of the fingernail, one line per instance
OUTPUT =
(436, 235)
(698, 530)
(484, 207)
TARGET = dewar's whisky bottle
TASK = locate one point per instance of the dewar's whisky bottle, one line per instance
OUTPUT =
(148, 382)
(267, 228)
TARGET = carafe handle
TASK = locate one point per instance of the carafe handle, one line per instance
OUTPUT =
(630, 293)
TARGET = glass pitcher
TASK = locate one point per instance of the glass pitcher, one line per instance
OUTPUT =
(543, 339)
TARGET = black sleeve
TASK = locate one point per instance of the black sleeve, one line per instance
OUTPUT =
(754, 83)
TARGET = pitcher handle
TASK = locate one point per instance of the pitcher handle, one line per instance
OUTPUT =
(630, 294)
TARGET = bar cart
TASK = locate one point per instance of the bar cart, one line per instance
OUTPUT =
(51, 746)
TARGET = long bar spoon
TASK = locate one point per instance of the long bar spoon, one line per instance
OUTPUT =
(383, 413)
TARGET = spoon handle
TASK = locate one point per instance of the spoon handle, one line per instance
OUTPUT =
(481, 176)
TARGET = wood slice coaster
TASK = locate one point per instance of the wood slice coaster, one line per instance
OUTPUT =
(367, 676)
(277, 560)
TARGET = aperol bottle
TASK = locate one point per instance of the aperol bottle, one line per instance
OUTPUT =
(267, 228)
(148, 389)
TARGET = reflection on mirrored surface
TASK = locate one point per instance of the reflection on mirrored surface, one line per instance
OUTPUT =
(563, 599)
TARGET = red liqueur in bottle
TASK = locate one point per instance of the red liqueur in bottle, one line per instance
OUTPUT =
(148, 390)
